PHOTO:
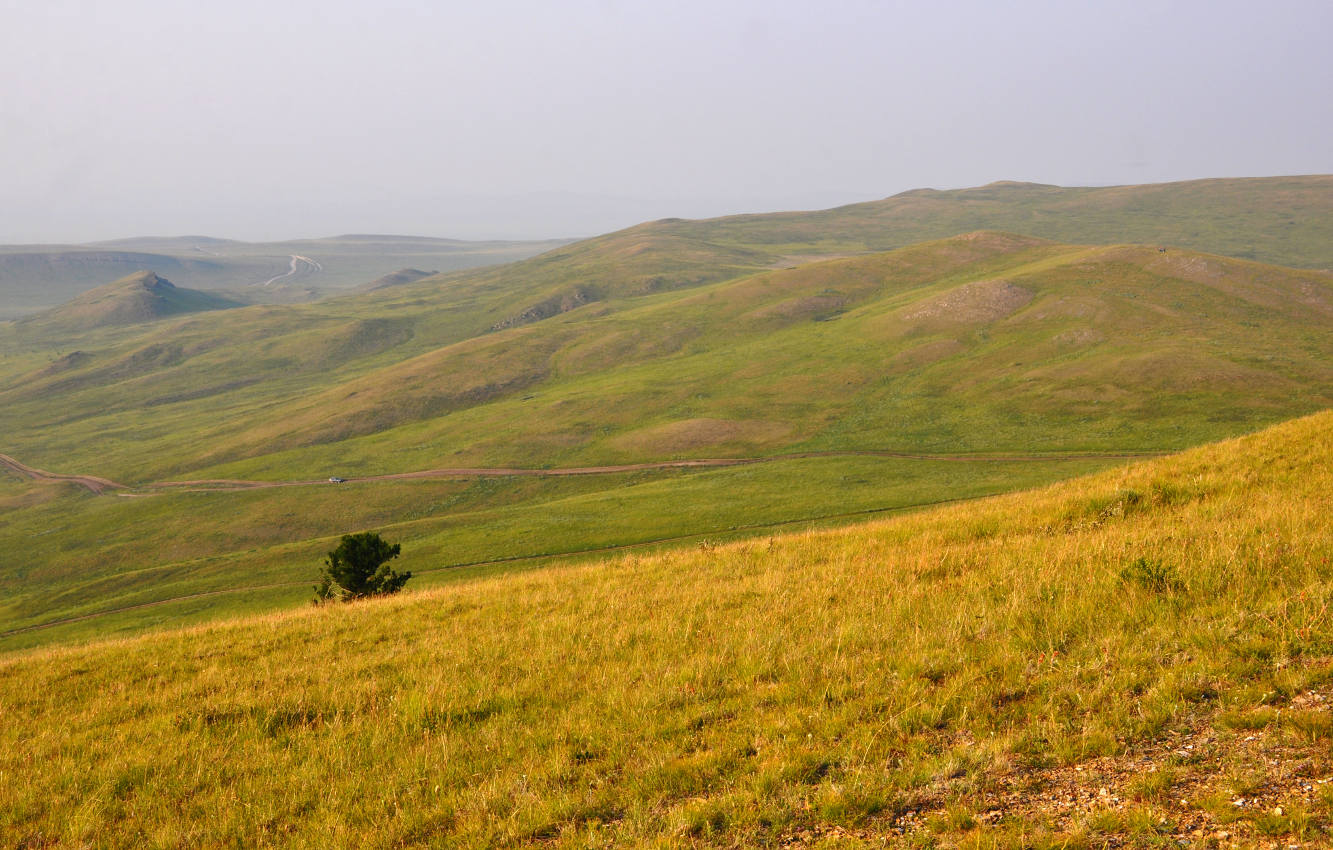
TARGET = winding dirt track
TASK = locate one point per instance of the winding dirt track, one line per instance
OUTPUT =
(92, 482)
(296, 262)
(101, 485)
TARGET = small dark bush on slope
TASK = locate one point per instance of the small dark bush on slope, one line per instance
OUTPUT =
(359, 568)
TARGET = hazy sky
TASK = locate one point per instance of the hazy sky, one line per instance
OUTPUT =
(539, 118)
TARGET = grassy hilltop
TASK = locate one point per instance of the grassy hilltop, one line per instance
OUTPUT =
(948, 369)
(1143, 656)
(1282, 220)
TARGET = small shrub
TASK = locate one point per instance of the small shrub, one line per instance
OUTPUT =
(358, 568)
(1152, 575)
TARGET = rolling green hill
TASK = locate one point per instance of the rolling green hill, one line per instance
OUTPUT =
(1143, 657)
(984, 342)
(134, 299)
(833, 379)
(948, 369)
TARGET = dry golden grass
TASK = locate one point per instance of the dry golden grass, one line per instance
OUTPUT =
(945, 677)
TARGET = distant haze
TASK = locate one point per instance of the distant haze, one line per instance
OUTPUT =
(530, 119)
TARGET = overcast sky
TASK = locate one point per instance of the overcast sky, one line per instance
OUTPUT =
(537, 118)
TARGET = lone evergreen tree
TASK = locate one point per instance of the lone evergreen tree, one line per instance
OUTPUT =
(359, 567)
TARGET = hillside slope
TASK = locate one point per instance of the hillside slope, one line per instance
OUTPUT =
(983, 342)
(135, 298)
(1139, 657)
(950, 369)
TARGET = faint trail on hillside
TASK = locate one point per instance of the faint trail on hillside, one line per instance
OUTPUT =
(92, 482)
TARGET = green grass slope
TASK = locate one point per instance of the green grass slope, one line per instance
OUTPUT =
(1138, 658)
(985, 342)
(1008, 360)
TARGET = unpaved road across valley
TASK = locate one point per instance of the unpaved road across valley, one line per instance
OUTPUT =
(102, 485)
(298, 264)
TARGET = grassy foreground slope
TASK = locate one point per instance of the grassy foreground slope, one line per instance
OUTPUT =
(1141, 656)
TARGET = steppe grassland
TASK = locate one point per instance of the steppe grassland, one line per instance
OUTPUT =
(823, 683)
(266, 544)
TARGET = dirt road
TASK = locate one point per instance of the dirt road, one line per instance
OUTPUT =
(510, 472)
(92, 482)
(101, 485)
(298, 262)
(460, 472)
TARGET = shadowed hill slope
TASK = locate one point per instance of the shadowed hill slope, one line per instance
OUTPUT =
(1134, 658)
(397, 278)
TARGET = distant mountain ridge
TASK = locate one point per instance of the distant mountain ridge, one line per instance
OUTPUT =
(38, 277)
(1280, 220)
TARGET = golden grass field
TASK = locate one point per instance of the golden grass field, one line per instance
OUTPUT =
(1142, 657)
